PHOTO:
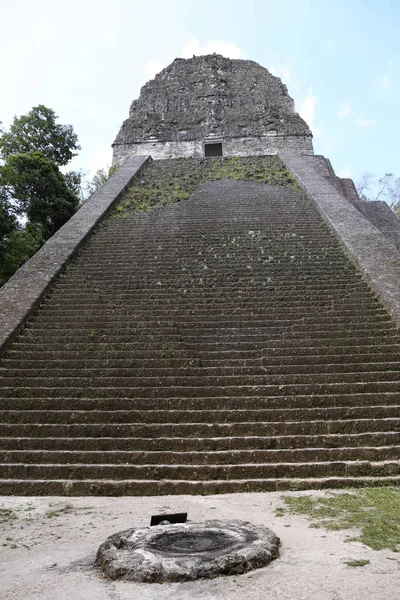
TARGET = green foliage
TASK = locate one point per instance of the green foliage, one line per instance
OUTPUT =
(357, 563)
(37, 187)
(18, 247)
(73, 181)
(101, 177)
(32, 187)
(7, 514)
(374, 511)
(8, 221)
(38, 130)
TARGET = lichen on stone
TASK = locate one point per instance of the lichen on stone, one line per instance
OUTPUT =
(165, 182)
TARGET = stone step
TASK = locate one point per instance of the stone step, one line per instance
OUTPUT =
(215, 293)
(271, 356)
(204, 289)
(203, 349)
(205, 322)
(197, 444)
(131, 380)
(92, 351)
(216, 307)
(191, 368)
(211, 429)
(335, 360)
(238, 278)
(155, 487)
(253, 456)
(159, 416)
(100, 391)
(179, 332)
(103, 312)
(359, 468)
(314, 401)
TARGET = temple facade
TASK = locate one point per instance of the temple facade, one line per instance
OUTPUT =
(212, 106)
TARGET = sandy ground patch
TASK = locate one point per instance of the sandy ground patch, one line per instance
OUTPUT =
(47, 552)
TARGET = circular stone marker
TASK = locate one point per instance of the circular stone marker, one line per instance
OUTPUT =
(186, 552)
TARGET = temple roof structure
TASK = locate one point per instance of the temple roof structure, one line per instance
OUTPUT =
(212, 99)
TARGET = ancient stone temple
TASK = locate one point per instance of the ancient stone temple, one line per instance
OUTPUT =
(212, 106)
(222, 315)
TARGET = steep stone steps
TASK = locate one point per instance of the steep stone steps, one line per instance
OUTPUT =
(100, 391)
(218, 348)
(238, 306)
(131, 380)
(113, 322)
(117, 368)
(210, 444)
(212, 429)
(246, 289)
(117, 457)
(159, 487)
(172, 331)
(222, 344)
(308, 355)
(206, 472)
(83, 402)
(198, 416)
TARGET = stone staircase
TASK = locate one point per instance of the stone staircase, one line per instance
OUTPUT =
(223, 344)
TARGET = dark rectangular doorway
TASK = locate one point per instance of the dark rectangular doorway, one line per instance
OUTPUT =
(213, 149)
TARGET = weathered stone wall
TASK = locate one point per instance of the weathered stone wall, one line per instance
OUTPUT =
(380, 215)
(24, 290)
(372, 248)
(231, 147)
(212, 98)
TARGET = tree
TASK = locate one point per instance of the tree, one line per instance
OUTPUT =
(19, 246)
(36, 199)
(387, 188)
(8, 220)
(74, 180)
(101, 177)
(37, 188)
(38, 130)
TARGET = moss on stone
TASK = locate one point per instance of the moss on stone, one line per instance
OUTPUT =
(170, 181)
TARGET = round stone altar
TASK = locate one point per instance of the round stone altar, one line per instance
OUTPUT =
(184, 552)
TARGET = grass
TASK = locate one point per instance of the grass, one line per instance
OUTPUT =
(357, 563)
(57, 512)
(375, 512)
(172, 181)
(6, 514)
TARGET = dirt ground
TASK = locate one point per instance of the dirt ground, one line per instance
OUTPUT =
(47, 552)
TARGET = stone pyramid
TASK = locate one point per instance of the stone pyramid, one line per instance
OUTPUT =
(217, 319)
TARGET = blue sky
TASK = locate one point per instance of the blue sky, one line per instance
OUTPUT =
(88, 59)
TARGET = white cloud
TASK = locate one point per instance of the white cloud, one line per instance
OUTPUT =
(153, 67)
(307, 108)
(364, 123)
(228, 49)
(344, 110)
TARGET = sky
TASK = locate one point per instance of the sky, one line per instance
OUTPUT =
(88, 59)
